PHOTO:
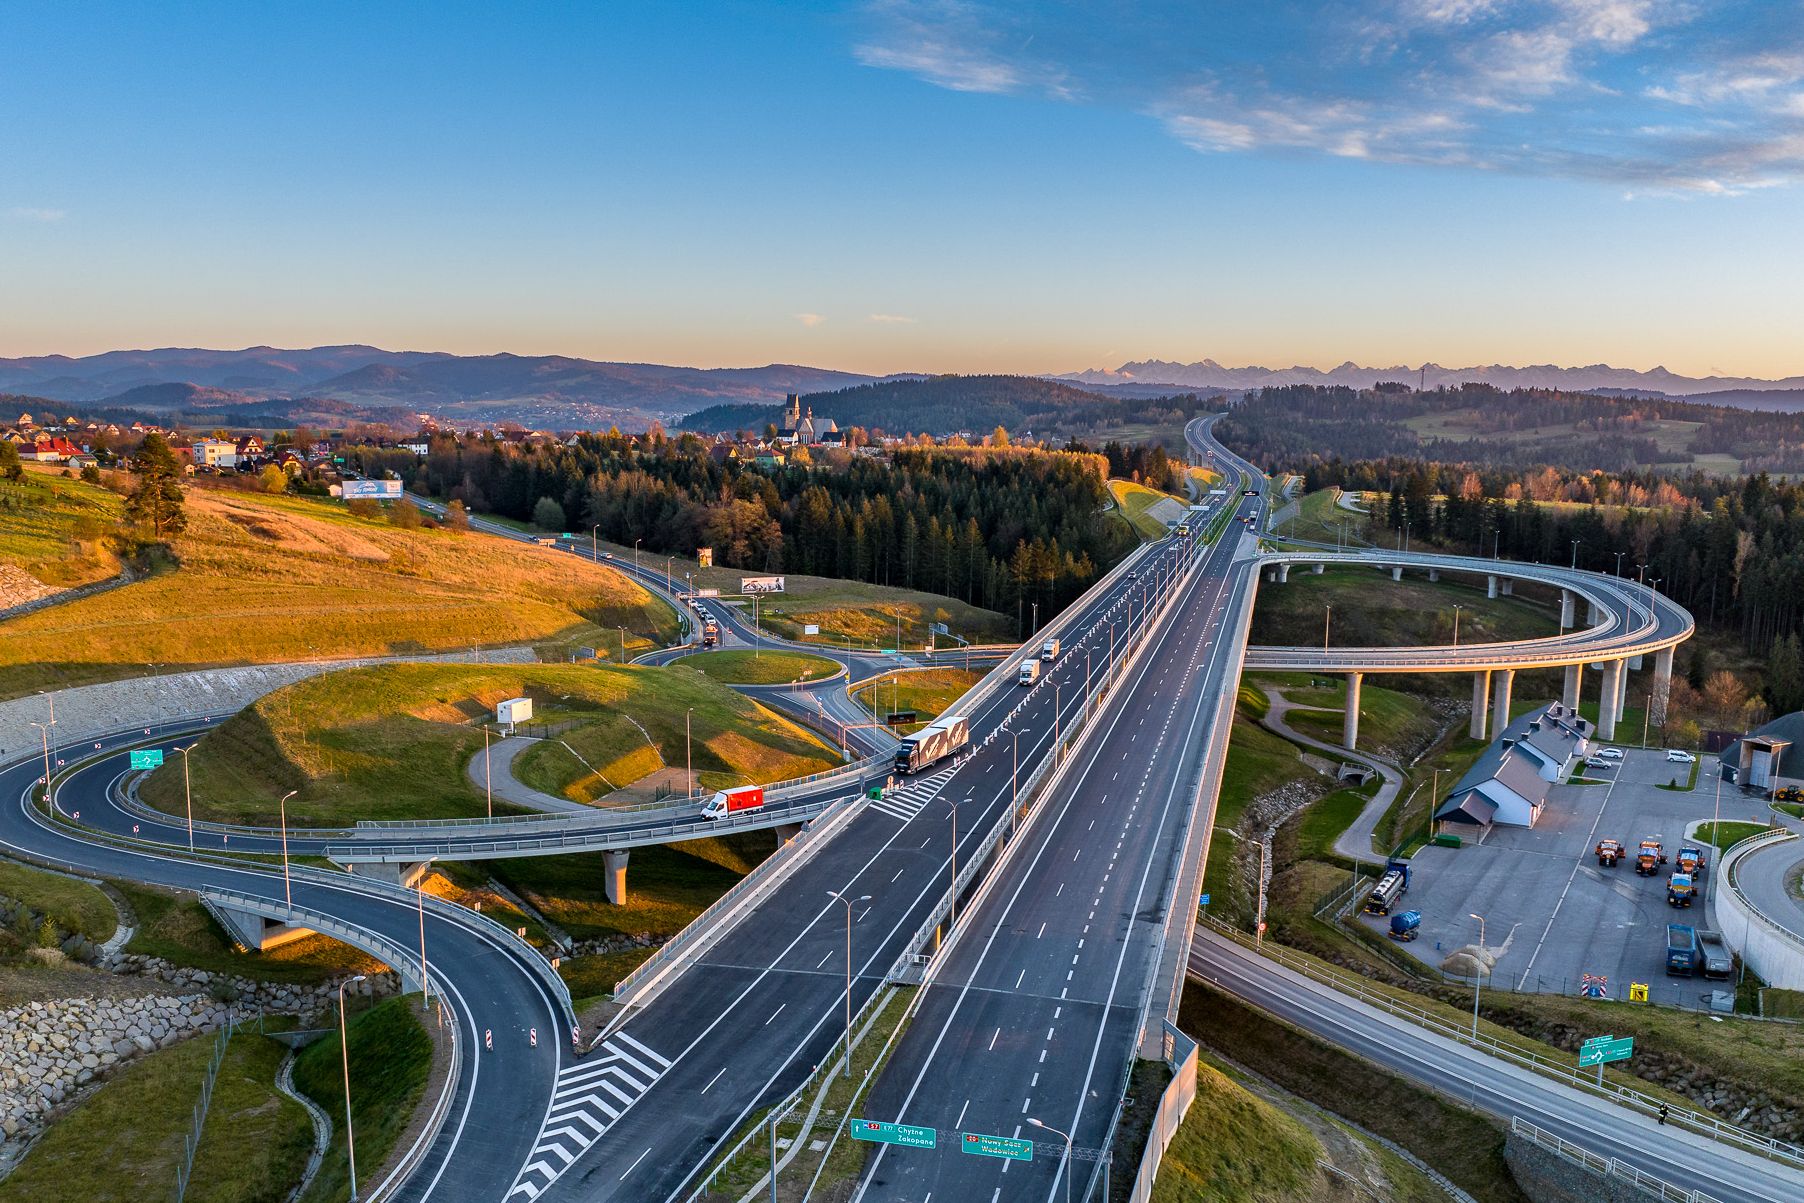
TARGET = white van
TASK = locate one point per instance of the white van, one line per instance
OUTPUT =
(1030, 672)
(1049, 651)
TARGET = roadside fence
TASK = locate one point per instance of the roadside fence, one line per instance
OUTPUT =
(191, 1142)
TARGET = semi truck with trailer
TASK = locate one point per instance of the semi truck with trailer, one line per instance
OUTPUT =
(732, 801)
(943, 737)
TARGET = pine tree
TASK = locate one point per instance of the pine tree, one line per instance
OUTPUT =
(1785, 676)
(156, 504)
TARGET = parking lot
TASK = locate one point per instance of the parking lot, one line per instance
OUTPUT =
(1551, 913)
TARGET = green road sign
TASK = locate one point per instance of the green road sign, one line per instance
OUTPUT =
(996, 1146)
(1605, 1049)
(147, 758)
(906, 1135)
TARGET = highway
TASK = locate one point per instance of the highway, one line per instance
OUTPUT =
(1037, 1010)
(1489, 1084)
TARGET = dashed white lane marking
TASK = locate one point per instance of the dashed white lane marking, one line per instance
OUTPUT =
(589, 1096)
(775, 1013)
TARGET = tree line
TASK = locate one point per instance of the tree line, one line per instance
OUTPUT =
(997, 527)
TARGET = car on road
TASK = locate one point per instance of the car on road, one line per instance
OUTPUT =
(1610, 753)
(1598, 762)
(1680, 757)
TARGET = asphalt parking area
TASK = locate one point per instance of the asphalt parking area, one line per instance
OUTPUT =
(1551, 913)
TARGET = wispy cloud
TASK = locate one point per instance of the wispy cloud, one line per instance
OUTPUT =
(810, 320)
(1705, 96)
(895, 319)
(29, 213)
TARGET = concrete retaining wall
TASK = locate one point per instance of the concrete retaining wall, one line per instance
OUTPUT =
(1547, 1177)
(1770, 951)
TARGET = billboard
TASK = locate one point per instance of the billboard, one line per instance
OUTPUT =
(761, 584)
(382, 490)
(704, 557)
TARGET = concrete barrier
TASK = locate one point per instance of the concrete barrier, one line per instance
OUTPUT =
(1771, 951)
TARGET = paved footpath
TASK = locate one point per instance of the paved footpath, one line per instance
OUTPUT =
(509, 788)
(1356, 840)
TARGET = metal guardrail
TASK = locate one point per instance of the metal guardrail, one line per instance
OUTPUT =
(435, 1123)
(404, 961)
(1567, 1073)
(1609, 1167)
(1731, 862)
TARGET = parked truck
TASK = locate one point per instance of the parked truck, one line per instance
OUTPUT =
(1682, 957)
(732, 801)
(1406, 926)
(1049, 651)
(1691, 860)
(1681, 890)
(1030, 672)
(1392, 885)
(944, 736)
(1609, 852)
(1649, 857)
(1718, 963)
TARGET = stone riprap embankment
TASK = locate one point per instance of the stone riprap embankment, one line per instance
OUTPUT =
(87, 711)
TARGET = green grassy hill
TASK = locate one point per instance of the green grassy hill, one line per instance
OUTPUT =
(1371, 610)
(55, 529)
(1134, 502)
(260, 578)
(927, 692)
(392, 741)
(768, 666)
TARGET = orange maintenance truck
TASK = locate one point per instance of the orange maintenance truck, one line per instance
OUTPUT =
(1649, 858)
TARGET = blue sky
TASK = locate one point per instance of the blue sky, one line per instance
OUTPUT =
(905, 185)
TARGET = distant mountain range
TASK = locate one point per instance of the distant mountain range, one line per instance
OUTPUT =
(330, 386)
(535, 390)
(1596, 378)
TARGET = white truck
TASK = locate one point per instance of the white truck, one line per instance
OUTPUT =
(1030, 672)
(944, 736)
(1049, 651)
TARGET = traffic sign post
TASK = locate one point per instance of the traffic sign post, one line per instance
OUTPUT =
(147, 758)
(996, 1146)
(1601, 1050)
(907, 1135)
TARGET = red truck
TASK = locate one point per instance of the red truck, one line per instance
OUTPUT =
(730, 801)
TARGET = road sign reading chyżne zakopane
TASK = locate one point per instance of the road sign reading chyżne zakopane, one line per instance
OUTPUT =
(907, 1135)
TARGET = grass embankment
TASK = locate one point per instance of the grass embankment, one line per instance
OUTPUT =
(178, 929)
(1258, 762)
(667, 885)
(1371, 610)
(56, 530)
(927, 693)
(76, 906)
(391, 1060)
(1462, 1145)
(125, 1143)
(869, 614)
(767, 667)
(393, 741)
(1321, 520)
(1724, 834)
(1392, 725)
(1235, 1146)
(1147, 510)
(259, 578)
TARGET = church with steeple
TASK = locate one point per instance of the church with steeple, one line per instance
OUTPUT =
(804, 429)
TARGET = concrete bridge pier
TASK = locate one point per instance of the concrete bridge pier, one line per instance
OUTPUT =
(1481, 700)
(1500, 705)
(1434, 574)
(256, 932)
(1320, 568)
(1397, 572)
(1507, 587)
(1662, 684)
(1568, 610)
(395, 873)
(1575, 680)
(614, 869)
(1593, 615)
(1349, 729)
(1610, 701)
(787, 832)
(1622, 690)
(1284, 574)
(1491, 585)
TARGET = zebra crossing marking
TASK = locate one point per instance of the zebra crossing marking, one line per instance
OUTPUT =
(907, 802)
(590, 1096)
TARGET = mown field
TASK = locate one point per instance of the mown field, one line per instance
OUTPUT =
(55, 528)
(1136, 504)
(260, 578)
(1371, 610)
(927, 693)
(393, 741)
(762, 666)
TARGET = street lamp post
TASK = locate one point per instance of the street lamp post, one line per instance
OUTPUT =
(688, 752)
(344, 1048)
(1575, 547)
(187, 793)
(848, 901)
(1456, 611)
(595, 544)
(282, 806)
(952, 904)
(1619, 555)
(1014, 783)
(636, 555)
(1327, 618)
(44, 738)
(425, 986)
(1065, 1165)
(488, 774)
(1477, 980)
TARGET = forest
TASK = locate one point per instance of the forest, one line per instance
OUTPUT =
(996, 527)
(1027, 406)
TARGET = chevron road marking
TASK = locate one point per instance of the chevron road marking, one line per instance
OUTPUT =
(590, 1096)
(911, 799)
